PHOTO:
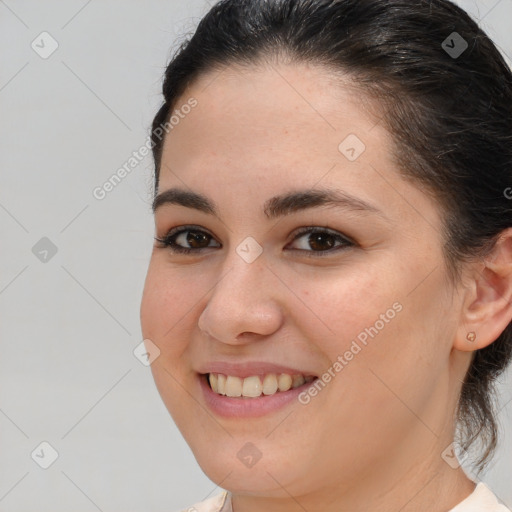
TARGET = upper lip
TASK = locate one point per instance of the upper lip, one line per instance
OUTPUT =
(248, 369)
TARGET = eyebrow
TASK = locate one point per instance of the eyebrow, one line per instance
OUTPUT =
(274, 207)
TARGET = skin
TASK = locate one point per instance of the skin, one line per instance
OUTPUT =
(372, 439)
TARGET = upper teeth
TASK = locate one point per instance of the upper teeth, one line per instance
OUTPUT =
(253, 386)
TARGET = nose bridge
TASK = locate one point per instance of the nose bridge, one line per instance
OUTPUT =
(244, 271)
(242, 300)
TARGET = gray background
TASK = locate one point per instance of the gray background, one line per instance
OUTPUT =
(69, 325)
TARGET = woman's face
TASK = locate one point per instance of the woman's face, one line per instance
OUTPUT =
(344, 283)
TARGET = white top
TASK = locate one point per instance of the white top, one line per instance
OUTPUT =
(482, 499)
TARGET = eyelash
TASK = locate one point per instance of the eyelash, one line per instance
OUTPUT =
(169, 240)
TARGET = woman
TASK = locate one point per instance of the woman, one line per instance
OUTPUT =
(330, 288)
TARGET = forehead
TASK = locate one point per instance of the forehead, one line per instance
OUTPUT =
(274, 127)
(265, 114)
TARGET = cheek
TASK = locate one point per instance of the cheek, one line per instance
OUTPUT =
(167, 304)
(392, 342)
(372, 321)
(339, 308)
(166, 315)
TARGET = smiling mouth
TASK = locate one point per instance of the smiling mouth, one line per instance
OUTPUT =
(255, 385)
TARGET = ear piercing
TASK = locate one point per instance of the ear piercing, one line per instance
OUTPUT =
(471, 336)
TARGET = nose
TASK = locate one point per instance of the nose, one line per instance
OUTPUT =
(243, 304)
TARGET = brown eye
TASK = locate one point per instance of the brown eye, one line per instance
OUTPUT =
(186, 239)
(195, 239)
(321, 241)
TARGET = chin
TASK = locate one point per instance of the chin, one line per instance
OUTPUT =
(261, 479)
(235, 464)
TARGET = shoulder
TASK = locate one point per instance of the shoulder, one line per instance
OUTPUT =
(482, 499)
(218, 503)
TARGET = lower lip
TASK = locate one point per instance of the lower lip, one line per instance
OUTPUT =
(248, 407)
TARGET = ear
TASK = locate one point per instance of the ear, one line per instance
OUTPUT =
(487, 305)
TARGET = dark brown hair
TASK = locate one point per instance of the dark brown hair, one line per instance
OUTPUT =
(447, 106)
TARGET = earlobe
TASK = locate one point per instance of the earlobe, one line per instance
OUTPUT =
(487, 308)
